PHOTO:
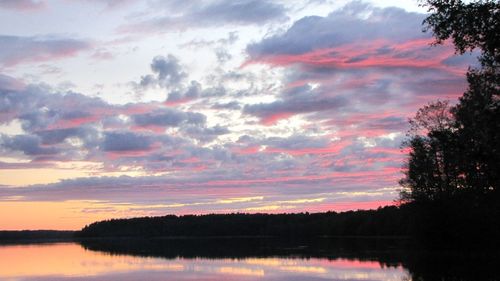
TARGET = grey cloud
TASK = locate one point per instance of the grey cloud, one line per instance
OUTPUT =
(16, 49)
(239, 11)
(297, 142)
(233, 105)
(179, 187)
(206, 134)
(22, 5)
(71, 126)
(465, 60)
(75, 115)
(125, 141)
(8, 84)
(209, 13)
(168, 117)
(72, 101)
(137, 189)
(112, 3)
(304, 100)
(168, 69)
(16, 102)
(167, 73)
(58, 135)
(63, 126)
(27, 144)
(148, 81)
(113, 122)
(218, 91)
(192, 92)
(214, 153)
(293, 142)
(397, 123)
(37, 107)
(340, 27)
(50, 137)
(38, 119)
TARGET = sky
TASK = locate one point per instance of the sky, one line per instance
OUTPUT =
(112, 109)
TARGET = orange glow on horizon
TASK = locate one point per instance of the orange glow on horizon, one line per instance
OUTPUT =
(74, 214)
(65, 215)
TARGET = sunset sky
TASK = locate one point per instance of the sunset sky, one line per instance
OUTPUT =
(129, 108)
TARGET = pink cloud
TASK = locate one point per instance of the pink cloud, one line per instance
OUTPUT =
(113, 155)
(352, 205)
(247, 150)
(152, 128)
(415, 53)
(76, 122)
(330, 149)
(272, 119)
(139, 108)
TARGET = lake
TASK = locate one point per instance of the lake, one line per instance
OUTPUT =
(232, 259)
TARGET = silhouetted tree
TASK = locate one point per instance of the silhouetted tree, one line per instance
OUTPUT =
(478, 115)
(453, 169)
(472, 26)
(458, 149)
(432, 170)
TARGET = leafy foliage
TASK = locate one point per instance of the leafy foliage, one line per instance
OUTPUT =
(472, 25)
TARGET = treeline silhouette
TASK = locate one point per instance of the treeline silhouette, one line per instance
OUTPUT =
(386, 221)
(451, 225)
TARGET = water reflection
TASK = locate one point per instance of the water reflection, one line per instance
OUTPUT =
(71, 261)
(237, 259)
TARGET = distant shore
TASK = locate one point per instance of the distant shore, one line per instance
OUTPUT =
(36, 236)
(383, 222)
(423, 224)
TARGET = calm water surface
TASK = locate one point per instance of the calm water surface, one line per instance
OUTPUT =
(167, 260)
(70, 261)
